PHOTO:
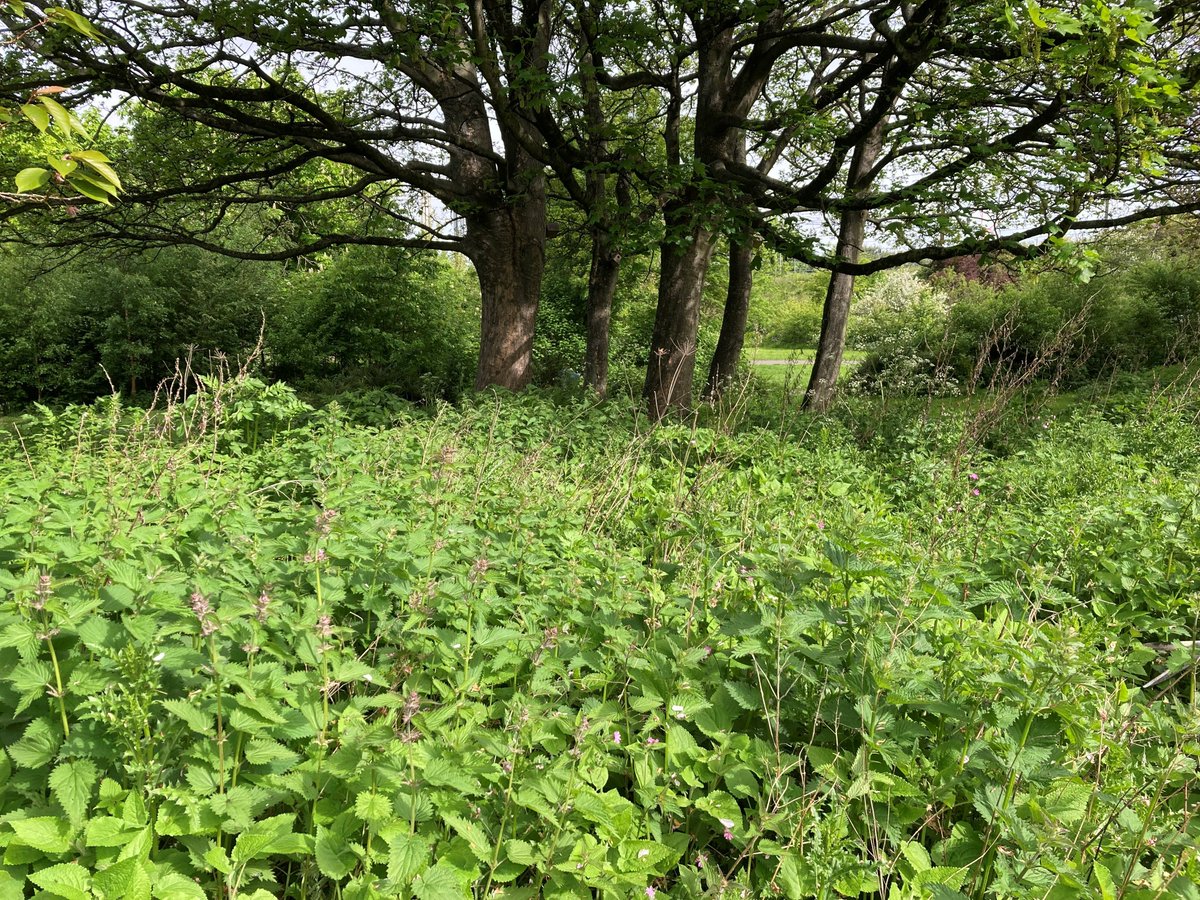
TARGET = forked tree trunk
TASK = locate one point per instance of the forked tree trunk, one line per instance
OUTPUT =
(831, 345)
(737, 311)
(508, 248)
(672, 363)
(602, 288)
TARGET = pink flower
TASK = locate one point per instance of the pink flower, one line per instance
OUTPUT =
(728, 835)
(820, 524)
(651, 741)
(616, 737)
(650, 892)
(975, 493)
(972, 476)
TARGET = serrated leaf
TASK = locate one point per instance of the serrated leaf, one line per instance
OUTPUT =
(475, 836)
(49, 834)
(37, 745)
(439, 883)
(124, 880)
(373, 808)
(744, 696)
(173, 886)
(333, 853)
(519, 852)
(67, 880)
(197, 721)
(408, 855)
(72, 783)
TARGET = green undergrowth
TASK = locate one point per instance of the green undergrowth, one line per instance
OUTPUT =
(530, 648)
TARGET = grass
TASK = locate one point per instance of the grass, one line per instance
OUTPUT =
(795, 354)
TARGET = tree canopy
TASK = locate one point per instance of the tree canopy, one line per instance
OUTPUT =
(932, 129)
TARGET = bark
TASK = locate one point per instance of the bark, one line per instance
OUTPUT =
(508, 248)
(602, 288)
(672, 364)
(737, 310)
(831, 345)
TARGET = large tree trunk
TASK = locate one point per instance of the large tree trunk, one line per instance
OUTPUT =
(827, 365)
(672, 363)
(602, 288)
(737, 311)
(508, 248)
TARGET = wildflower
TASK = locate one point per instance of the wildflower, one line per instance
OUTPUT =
(262, 606)
(728, 835)
(412, 706)
(651, 741)
(975, 492)
(678, 710)
(159, 657)
(616, 737)
(820, 524)
(650, 892)
(42, 592)
(203, 610)
(708, 651)
(324, 627)
(701, 860)
(324, 520)
(478, 569)
(973, 476)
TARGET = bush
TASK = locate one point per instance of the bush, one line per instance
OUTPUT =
(377, 317)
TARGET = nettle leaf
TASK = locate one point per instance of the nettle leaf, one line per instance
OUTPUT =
(334, 855)
(408, 856)
(125, 879)
(442, 882)
(195, 719)
(72, 783)
(373, 808)
(173, 886)
(37, 745)
(49, 834)
(67, 880)
(475, 836)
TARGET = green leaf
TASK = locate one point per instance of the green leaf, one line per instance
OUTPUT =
(520, 852)
(68, 880)
(475, 836)
(173, 886)
(408, 855)
(49, 834)
(99, 163)
(199, 722)
(74, 21)
(439, 883)
(334, 856)
(72, 783)
(373, 808)
(91, 188)
(125, 879)
(37, 114)
(32, 179)
(837, 489)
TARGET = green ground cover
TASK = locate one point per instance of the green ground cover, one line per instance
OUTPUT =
(529, 648)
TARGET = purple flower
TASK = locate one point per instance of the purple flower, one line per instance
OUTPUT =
(651, 741)
(616, 737)
(972, 476)
(650, 892)
(975, 492)
(820, 524)
(728, 835)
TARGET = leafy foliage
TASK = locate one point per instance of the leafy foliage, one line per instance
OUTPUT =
(520, 649)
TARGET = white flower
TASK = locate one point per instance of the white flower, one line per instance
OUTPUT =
(678, 710)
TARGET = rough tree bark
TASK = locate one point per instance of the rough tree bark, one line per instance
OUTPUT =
(737, 311)
(831, 345)
(602, 289)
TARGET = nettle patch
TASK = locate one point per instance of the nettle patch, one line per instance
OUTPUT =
(327, 660)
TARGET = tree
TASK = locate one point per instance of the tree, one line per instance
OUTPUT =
(433, 98)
